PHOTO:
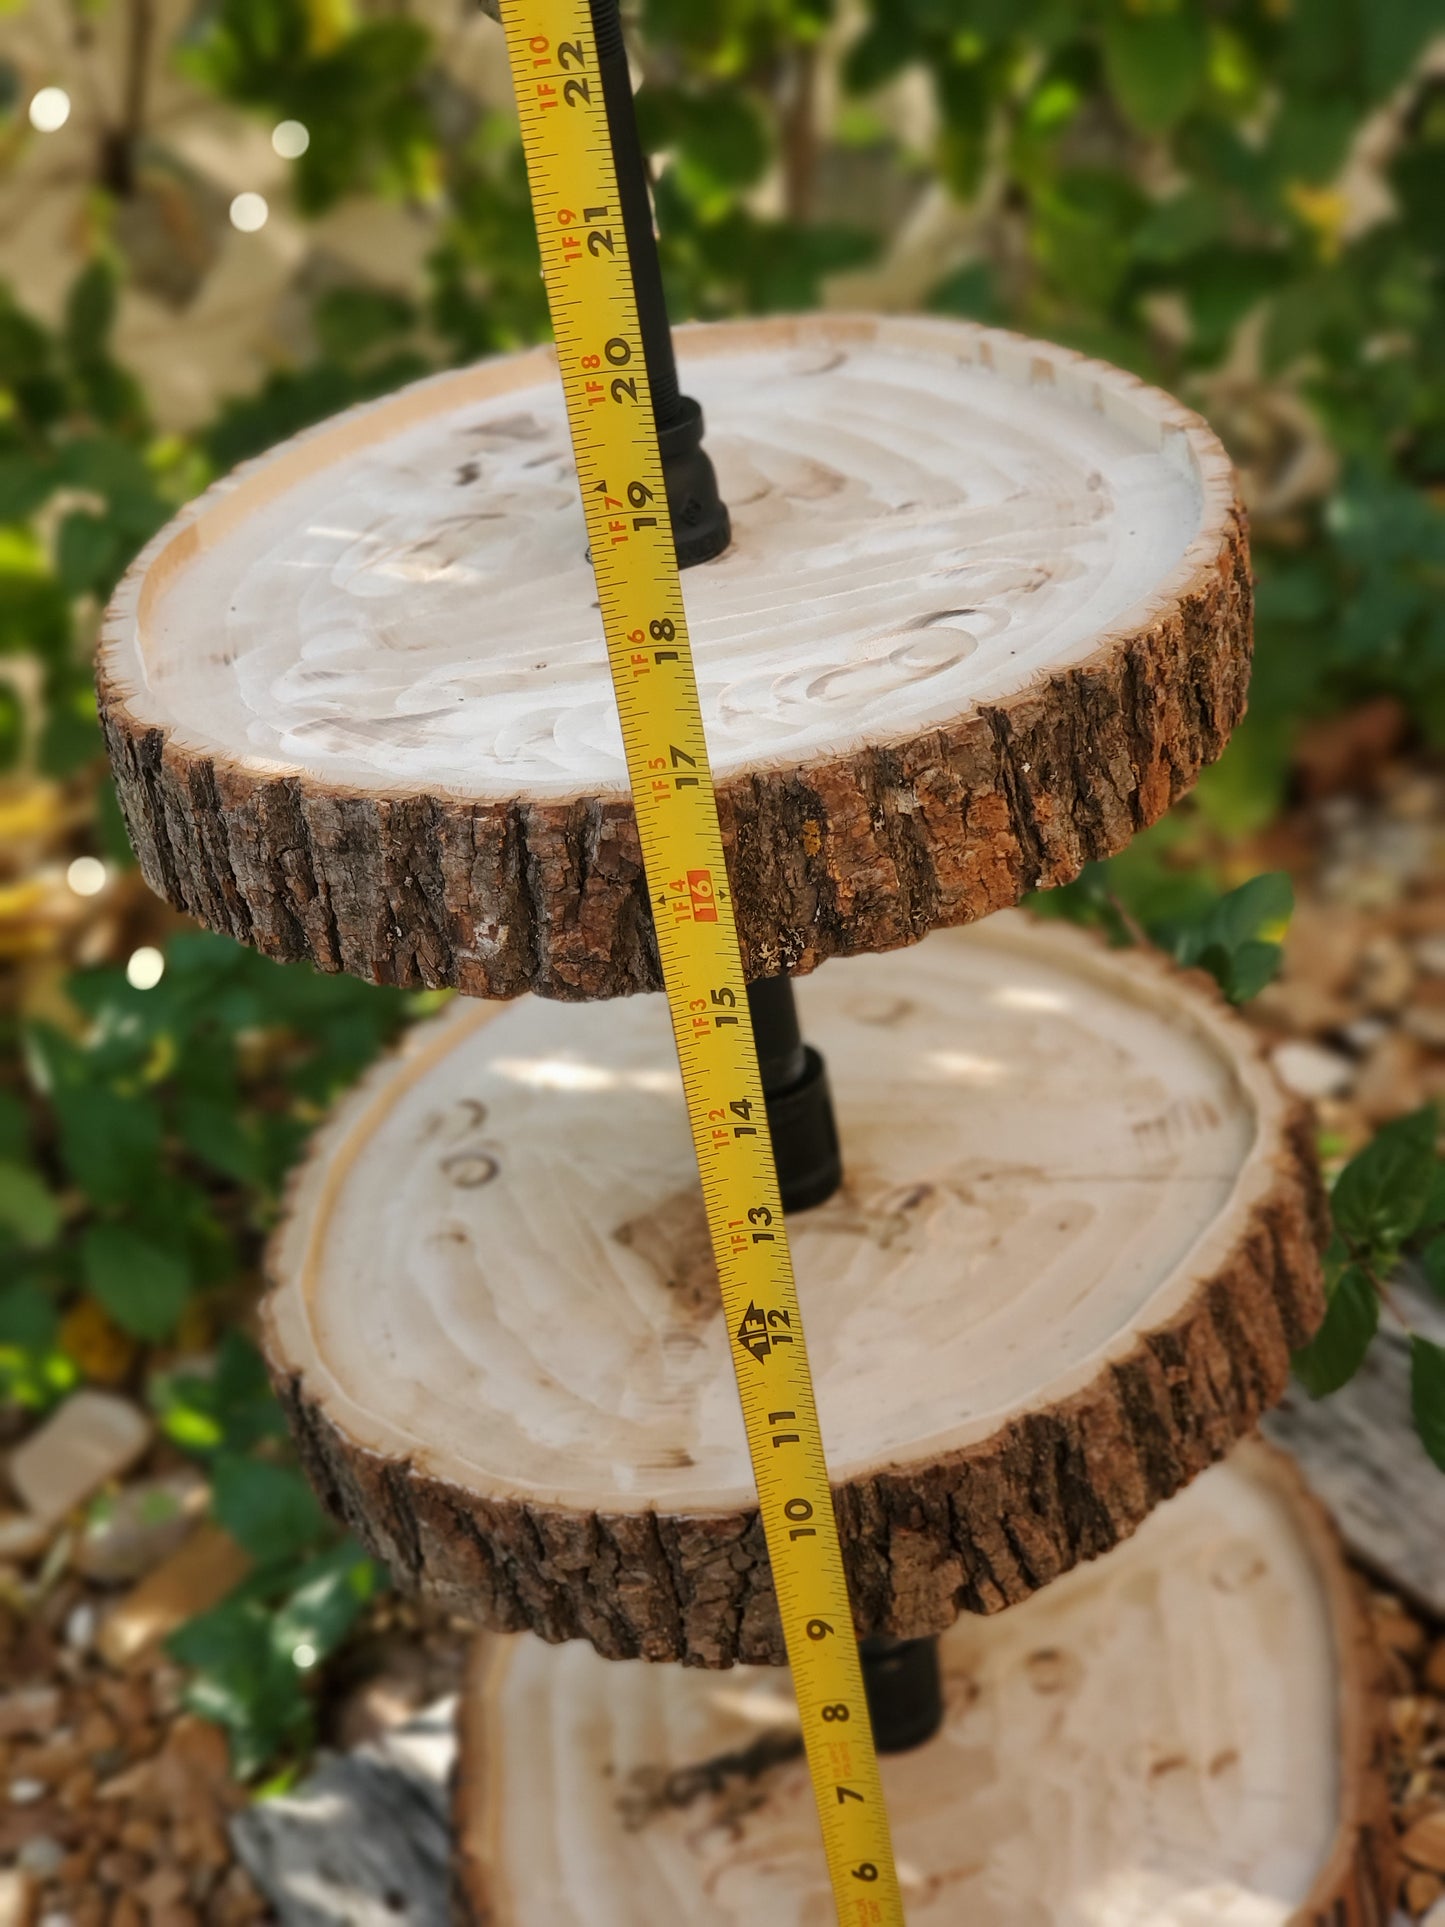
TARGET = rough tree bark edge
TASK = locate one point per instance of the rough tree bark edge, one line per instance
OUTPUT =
(863, 851)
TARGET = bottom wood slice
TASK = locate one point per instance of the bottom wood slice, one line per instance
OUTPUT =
(1187, 1734)
(1073, 1251)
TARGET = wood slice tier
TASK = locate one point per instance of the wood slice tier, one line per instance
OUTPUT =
(1188, 1734)
(985, 615)
(1075, 1246)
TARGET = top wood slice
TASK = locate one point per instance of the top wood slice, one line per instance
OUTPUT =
(985, 614)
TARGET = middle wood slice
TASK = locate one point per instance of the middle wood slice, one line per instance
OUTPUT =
(1075, 1246)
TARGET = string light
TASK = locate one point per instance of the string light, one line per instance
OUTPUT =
(290, 139)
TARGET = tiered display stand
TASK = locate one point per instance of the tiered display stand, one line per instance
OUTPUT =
(985, 614)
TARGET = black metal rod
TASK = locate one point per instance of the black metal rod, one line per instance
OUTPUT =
(905, 1691)
(782, 1056)
(636, 212)
(700, 524)
(800, 1105)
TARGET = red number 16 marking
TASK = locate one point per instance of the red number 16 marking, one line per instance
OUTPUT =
(700, 890)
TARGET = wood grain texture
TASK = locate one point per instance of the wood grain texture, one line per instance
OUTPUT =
(986, 614)
(1075, 1247)
(1190, 1733)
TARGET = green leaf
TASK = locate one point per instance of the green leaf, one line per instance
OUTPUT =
(27, 1209)
(90, 311)
(717, 134)
(1334, 1354)
(142, 1285)
(1434, 1212)
(233, 1407)
(269, 1509)
(218, 1136)
(1432, 1263)
(24, 484)
(87, 552)
(1382, 1194)
(241, 1681)
(1236, 940)
(1261, 906)
(325, 1604)
(1157, 63)
(1252, 966)
(110, 1144)
(33, 1372)
(351, 323)
(1427, 1396)
(28, 1317)
(1177, 227)
(14, 1126)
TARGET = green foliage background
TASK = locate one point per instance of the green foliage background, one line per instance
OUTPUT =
(1168, 183)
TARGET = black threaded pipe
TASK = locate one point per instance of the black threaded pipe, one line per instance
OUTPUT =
(700, 525)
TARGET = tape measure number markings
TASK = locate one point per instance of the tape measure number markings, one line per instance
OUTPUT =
(599, 349)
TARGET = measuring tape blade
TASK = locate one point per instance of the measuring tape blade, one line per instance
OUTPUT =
(576, 206)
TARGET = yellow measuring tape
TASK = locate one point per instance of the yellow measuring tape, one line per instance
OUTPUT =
(599, 349)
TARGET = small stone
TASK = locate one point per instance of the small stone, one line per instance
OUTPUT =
(1324, 945)
(92, 1437)
(164, 1888)
(77, 1789)
(29, 1710)
(98, 1732)
(1414, 796)
(128, 1536)
(201, 1745)
(1312, 1070)
(22, 1536)
(41, 1856)
(1398, 1631)
(1435, 1917)
(141, 1836)
(54, 1759)
(1424, 1842)
(121, 1869)
(80, 1624)
(1430, 953)
(1388, 1084)
(1364, 1033)
(1298, 1005)
(24, 1793)
(195, 1577)
(1409, 1717)
(1427, 1022)
(1387, 974)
